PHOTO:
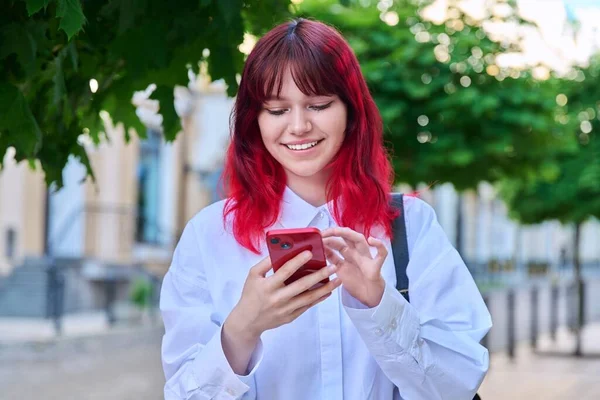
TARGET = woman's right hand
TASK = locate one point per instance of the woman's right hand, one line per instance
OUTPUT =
(267, 303)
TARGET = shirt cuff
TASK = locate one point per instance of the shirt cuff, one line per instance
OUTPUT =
(393, 325)
(217, 377)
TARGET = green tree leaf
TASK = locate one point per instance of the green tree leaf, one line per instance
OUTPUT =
(166, 99)
(470, 126)
(569, 188)
(18, 126)
(71, 16)
(126, 45)
(16, 39)
(34, 6)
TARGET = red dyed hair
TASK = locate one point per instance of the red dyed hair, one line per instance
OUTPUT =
(321, 63)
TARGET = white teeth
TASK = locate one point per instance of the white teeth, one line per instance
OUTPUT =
(301, 146)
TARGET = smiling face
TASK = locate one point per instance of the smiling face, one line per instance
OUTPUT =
(302, 132)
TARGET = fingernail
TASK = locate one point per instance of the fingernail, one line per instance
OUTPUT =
(307, 254)
(331, 268)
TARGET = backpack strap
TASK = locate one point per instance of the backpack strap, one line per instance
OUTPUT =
(400, 246)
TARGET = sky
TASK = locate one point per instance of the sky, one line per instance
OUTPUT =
(554, 45)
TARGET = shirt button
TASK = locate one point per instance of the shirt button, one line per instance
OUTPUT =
(230, 391)
(320, 215)
(393, 324)
(378, 332)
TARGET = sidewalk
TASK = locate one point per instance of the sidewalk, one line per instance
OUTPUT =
(19, 330)
(95, 363)
(546, 376)
(123, 362)
(29, 331)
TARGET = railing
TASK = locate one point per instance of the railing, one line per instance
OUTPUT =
(505, 273)
(58, 277)
(524, 312)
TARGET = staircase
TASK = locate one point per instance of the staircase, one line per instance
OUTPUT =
(23, 293)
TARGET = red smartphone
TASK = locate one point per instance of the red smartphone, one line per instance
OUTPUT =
(285, 244)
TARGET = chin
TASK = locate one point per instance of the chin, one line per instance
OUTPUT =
(303, 172)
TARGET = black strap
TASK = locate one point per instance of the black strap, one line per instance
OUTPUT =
(400, 246)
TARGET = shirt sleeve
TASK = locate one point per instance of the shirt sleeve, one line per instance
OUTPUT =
(193, 360)
(429, 348)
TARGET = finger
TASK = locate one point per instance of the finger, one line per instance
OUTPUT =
(334, 234)
(298, 312)
(353, 238)
(335, 243)
(288, 269)
(381, 249)
(312, 296)
(333, 257)
(306, 282)
(341, 246)
(262, 267)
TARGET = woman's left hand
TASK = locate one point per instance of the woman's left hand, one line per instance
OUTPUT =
(359, 272)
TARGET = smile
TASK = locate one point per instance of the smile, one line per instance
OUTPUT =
(303, 146)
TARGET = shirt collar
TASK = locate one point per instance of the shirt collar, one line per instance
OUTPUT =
(296, 212)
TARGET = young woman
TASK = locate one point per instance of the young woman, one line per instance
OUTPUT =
(307, 151)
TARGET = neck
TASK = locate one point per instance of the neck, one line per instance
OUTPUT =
(310, 189)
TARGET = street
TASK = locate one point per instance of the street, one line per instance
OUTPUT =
(119, 367)
(126, 365)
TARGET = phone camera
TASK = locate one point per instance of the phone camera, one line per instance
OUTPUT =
(275, 240)
(286, 245)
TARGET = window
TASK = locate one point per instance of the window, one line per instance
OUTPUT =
(148, 177)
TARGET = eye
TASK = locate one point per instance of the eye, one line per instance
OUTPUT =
(275, 112)
(321, 107)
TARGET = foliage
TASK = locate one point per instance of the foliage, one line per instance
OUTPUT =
(574, 194)
(51, 49)
(450, 114)
(141, 293)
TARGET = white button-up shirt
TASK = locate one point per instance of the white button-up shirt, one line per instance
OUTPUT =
(339, 349)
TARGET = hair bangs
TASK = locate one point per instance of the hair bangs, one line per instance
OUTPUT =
(306, 65)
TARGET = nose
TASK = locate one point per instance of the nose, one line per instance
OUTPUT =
(299, 124)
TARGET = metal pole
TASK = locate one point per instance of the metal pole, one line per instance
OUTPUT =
(55, 297)
(534, 317)
(154, 298)
(553, 311)
(511, 323)
(110, 291)
(580, 293)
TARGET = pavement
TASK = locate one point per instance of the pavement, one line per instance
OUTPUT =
(94, 361)
(16, 330)
(550, 373)
(89, 361)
